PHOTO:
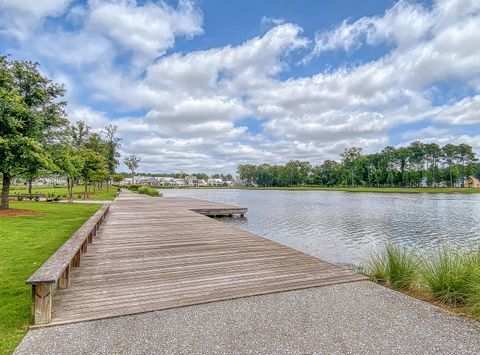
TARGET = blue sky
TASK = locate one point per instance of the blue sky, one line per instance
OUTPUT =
(207, 85)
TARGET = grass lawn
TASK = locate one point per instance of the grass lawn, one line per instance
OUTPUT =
(100, 194)
(25, 244)
(413, 190)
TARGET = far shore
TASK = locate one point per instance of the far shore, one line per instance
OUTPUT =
(408, 190)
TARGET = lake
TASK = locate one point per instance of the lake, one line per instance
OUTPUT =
(344, 227)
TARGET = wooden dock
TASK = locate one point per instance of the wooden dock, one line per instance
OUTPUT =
(158, 253)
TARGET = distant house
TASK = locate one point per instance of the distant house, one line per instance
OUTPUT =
(191, 180)
(471, 181)
(146, 180)
(202, 182)
(215, 182)
(178, 182)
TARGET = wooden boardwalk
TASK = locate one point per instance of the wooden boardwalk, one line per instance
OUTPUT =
(156, 253)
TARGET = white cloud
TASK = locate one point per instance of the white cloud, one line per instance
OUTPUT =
(147, 30)
(192, 103)
(19, 18)
(466, 111)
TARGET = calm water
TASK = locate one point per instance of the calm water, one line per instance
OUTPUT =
(343, 227)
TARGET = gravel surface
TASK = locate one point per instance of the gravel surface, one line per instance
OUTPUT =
(353, 318)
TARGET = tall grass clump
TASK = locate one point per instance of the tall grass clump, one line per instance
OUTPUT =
(148, 191)
(394, 266)
(453, 277)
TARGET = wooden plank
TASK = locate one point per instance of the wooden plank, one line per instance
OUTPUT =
(158, 253)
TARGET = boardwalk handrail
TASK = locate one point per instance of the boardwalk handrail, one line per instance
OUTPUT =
(55, 272)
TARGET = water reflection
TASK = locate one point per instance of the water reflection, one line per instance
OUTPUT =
(343, 227)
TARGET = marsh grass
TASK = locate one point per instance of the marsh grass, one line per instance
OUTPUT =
(395, 267)
(148, 191)
(448, 277)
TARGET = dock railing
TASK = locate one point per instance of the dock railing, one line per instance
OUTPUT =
(55, 272)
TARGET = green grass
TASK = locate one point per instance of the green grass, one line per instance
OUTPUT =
(99, 195)
(25, 244)
(448, 277)
(411, 190)
(394, 267)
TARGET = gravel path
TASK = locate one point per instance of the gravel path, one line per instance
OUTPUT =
(353, 318)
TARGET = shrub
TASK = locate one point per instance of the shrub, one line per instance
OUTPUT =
(450, 276)
(134, 187)
(148, 191)
(19, 197)
(393, 266)
(473, 298)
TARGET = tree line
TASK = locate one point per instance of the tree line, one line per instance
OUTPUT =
(419, 164)
(36, 137)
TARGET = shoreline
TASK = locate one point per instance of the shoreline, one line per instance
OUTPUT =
(402, 190)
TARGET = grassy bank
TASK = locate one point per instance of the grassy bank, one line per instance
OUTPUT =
(448, 278)
(412, 190)
(25, 244)
(78, 190)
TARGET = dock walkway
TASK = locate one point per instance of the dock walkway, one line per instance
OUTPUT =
(158, 253)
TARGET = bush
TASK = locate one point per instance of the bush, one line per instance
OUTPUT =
(452, 277)
(19, 197)
(134, 187)
(148, 191)
(473, 298)
(394, 266)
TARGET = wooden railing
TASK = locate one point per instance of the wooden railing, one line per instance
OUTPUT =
(55, 272)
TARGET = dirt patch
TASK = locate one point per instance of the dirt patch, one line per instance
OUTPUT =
(16, 212)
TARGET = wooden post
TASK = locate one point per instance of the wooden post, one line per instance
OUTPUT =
(42, 303)
(64, 280)
(76, 259)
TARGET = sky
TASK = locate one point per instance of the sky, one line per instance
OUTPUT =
(207, 85)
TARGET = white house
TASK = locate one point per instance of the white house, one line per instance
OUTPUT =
(202, 182)
(215, 182)
(191, 180)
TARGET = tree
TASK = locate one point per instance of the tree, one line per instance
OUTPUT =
(466, 156)
(132, 164)
(433, 154)
(31, 117)
(450, 154)
(94, 167)
(80, 132)
(350, 157)
(113, 143)
(69, 162)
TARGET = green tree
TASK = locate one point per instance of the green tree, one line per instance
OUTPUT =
(69, 162)
(31, 117)
(450, 155)
(465, 156)
(350, 158)
(94, 167)
(112, 143)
